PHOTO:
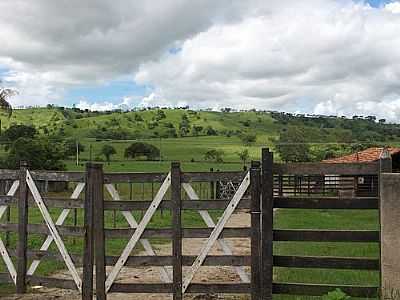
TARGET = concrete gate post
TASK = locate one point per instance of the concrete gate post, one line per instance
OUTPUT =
(390, 235)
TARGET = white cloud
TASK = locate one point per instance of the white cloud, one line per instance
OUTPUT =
(393, 7)
(323, 56)
(331, 56)
(59, 44)
(97, 106)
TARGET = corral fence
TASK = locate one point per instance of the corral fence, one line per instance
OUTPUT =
(267, 186)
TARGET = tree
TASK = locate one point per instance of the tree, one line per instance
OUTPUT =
(214, 155)
(292, 146)
(244, 155)
(142, 149)
(196, 130)
(160, 114)
(184, 125)
(14, 132)
(248, 138)
(5, 94)
(210, 131)
(138, 118)
(39, 153)
(108, 151)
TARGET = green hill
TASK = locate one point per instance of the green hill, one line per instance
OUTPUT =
(185, 135)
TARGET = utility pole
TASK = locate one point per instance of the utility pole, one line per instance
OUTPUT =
(77, 153)
(160, 151)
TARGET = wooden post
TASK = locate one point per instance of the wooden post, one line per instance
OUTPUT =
(212, 187)
(177, 230)
(95, 182)
(267, 223)
(88, 251)
(255, 231)
(22, 229)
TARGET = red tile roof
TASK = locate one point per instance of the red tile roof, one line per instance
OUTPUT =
(367, 155)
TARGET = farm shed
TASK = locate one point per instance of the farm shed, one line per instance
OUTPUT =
(364, 185)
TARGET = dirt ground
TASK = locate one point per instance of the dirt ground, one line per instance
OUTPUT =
(152, 274)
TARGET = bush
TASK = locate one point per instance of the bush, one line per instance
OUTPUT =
(139, 149)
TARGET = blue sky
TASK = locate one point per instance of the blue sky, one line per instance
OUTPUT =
(377, 3)
(112, 91)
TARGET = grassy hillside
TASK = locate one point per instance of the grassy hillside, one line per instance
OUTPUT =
(185, 135)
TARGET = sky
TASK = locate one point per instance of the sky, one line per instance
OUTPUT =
(333, 57)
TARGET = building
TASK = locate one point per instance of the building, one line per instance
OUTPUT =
(367, 185)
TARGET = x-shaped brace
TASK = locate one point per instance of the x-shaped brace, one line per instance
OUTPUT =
(3, 250)
(138, 232)
(210, 224)
(53, 230)
(165, 277)
(216, 232)
(60, 221)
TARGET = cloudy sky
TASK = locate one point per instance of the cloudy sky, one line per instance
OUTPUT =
(316, 56)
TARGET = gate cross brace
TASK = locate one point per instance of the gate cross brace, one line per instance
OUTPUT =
(210, 223)
(61, 219)
(216, 232)
(138, 232)
(53, 230)
(165, 277)
(3, 250)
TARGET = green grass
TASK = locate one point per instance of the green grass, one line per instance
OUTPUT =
(326, 220)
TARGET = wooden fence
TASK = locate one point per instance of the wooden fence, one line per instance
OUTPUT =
(273, 197)
(259, 192)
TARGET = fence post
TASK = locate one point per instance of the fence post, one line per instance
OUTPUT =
(212, 187)
(388, 220)
(22, 229)
(267, 223)
(177, 230)
(390, 231)
(88, 251)
(255, 231)
(95, 182)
